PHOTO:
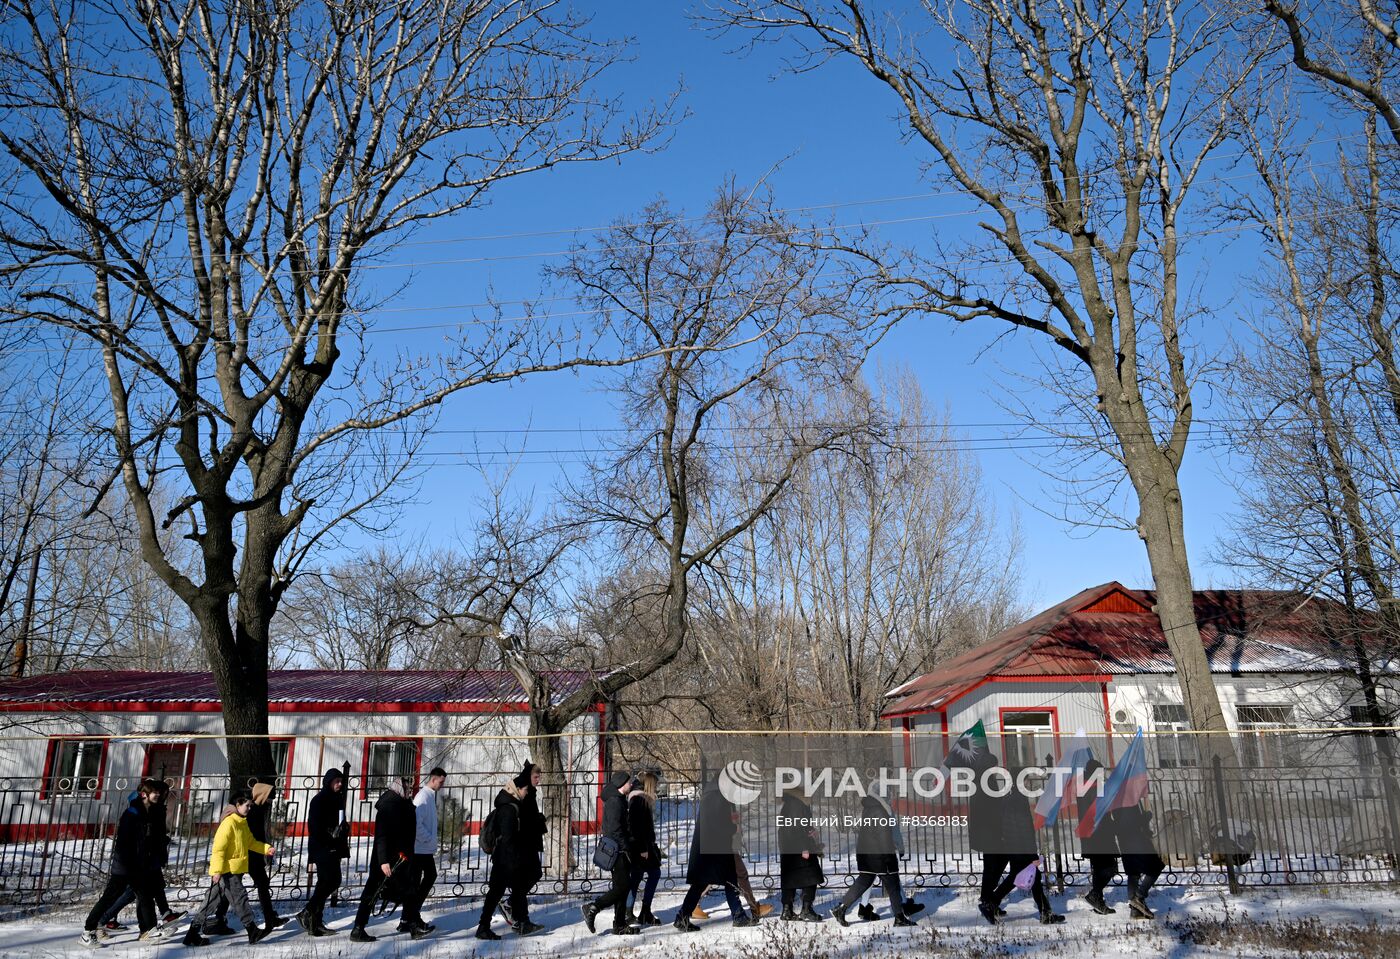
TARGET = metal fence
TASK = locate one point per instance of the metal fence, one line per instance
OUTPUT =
(1304, 826)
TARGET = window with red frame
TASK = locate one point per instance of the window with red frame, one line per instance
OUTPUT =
(387, 759)
(74, 768)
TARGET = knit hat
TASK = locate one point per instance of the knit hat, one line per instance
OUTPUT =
(262, 792)
(523, 780)
(618, 780)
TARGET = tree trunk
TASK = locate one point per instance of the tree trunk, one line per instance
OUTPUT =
(555, 793)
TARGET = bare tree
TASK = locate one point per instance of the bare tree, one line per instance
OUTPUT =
(1081, 130)
(197, 188)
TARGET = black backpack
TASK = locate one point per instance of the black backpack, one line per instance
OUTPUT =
(490, 832)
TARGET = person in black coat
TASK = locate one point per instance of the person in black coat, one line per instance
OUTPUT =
(514, 863)
(1133, 829)
(532, 830)
(136, 859)
(1001, 828)
(877, 857)
(712, 860)
(159, 835)
(327, 843)
(614, 828)
(799, 858)
(645, 853)
(395, 825)
(1100, 847)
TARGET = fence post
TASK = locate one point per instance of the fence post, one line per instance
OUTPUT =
(1223, 810)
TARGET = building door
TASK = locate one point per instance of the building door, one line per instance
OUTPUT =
(170, 763)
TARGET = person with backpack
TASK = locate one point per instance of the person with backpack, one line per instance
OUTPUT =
(228, 862)
(533, 828)
(135, 860)
(712, 860)
(878, 847)
(514, 863)
(612, 856)
(646, 854)
(257, 867)
(799, 858)
(1099, 848)
(1132, 827)
(327, 843)
(395, 824)
(425, 844)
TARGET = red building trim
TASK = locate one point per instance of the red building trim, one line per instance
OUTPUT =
(1054, 712)
(1062, 678)
(291, 742)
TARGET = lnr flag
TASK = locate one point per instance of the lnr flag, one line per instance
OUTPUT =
(968, 749)
(1061, 784)
(1125, 787)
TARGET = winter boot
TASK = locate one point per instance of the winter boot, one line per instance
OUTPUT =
(867, 912)
(484, 932)
(989, 912)
(277, 922)
(193, 938)
(788, 914)
(683, 924)
(763, 909)
(647, 918)
(590, 913)
(219, 929)
(358, 934)
(1048, 918)
(911, 906)
(306, 921)
(525, 927)
(1096, 903)
(744, 919)
(257, 934)
(839, 914)
(808, 914)
(1138, 907)
(901, 919)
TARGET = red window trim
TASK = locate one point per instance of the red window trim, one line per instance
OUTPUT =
(364, 759)
(291, 742)
(189, 747)
(55, 743)
(1054, 712)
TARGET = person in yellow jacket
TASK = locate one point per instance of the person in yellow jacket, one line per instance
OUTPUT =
(227, 865)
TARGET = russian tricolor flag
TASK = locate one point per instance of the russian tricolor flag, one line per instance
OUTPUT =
(1072, 759)
(1125, 787)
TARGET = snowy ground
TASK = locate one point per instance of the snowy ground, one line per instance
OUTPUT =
(1335, 921)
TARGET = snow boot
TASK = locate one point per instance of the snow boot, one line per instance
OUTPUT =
(989, 912)
(1138, 907)
(590, 913)
(788, 914)
(1096, 903)
(867, 912)
(839, 914)
(219, 929)
(683, 924)
(808, 914)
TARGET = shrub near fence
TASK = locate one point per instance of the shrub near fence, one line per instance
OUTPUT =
(1308, 826)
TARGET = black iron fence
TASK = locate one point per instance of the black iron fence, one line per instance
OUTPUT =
(1290, 824)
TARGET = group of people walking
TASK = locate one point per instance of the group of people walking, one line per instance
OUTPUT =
(402, 865)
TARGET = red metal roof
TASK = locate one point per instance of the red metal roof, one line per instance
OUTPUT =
(284, 686)
(1111, 630)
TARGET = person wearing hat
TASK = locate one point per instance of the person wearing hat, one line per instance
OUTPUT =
(327, 843)
(228, 862)
(512, 864)
(257, 868)
(614, 827)
(529, 867)
(395, 824)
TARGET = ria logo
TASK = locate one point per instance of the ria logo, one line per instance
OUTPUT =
(740, 782)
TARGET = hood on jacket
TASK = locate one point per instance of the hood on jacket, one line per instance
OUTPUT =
(262, 792)
(391, 796)
(616, 781)
(523, 780)
(331, 776)
(510, 793)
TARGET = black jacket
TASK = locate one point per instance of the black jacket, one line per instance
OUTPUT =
(513, 862)
(395, 825)
(641, 827)
(324, 837)
(793, 840)
(532, 821)
(614, 822)
(876, 851)
(1103, 840)
(1132, 827)
(134, 849)
(712, 845)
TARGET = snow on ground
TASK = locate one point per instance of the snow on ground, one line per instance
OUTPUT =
(1335, 921)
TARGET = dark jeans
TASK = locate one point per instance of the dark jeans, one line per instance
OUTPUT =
(1102, 869)
(496, 885)
(373, 884)
(257, 871)
(889, 882)
(117, 886)
(809, 895)
(327, 881)
(1015, 864)
(420, 884)
(693, 894)
(226, 894)
(993, 865)
(616, 896)
(129, 896)
(651, 870)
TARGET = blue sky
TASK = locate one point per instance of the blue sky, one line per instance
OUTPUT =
(826, 137)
